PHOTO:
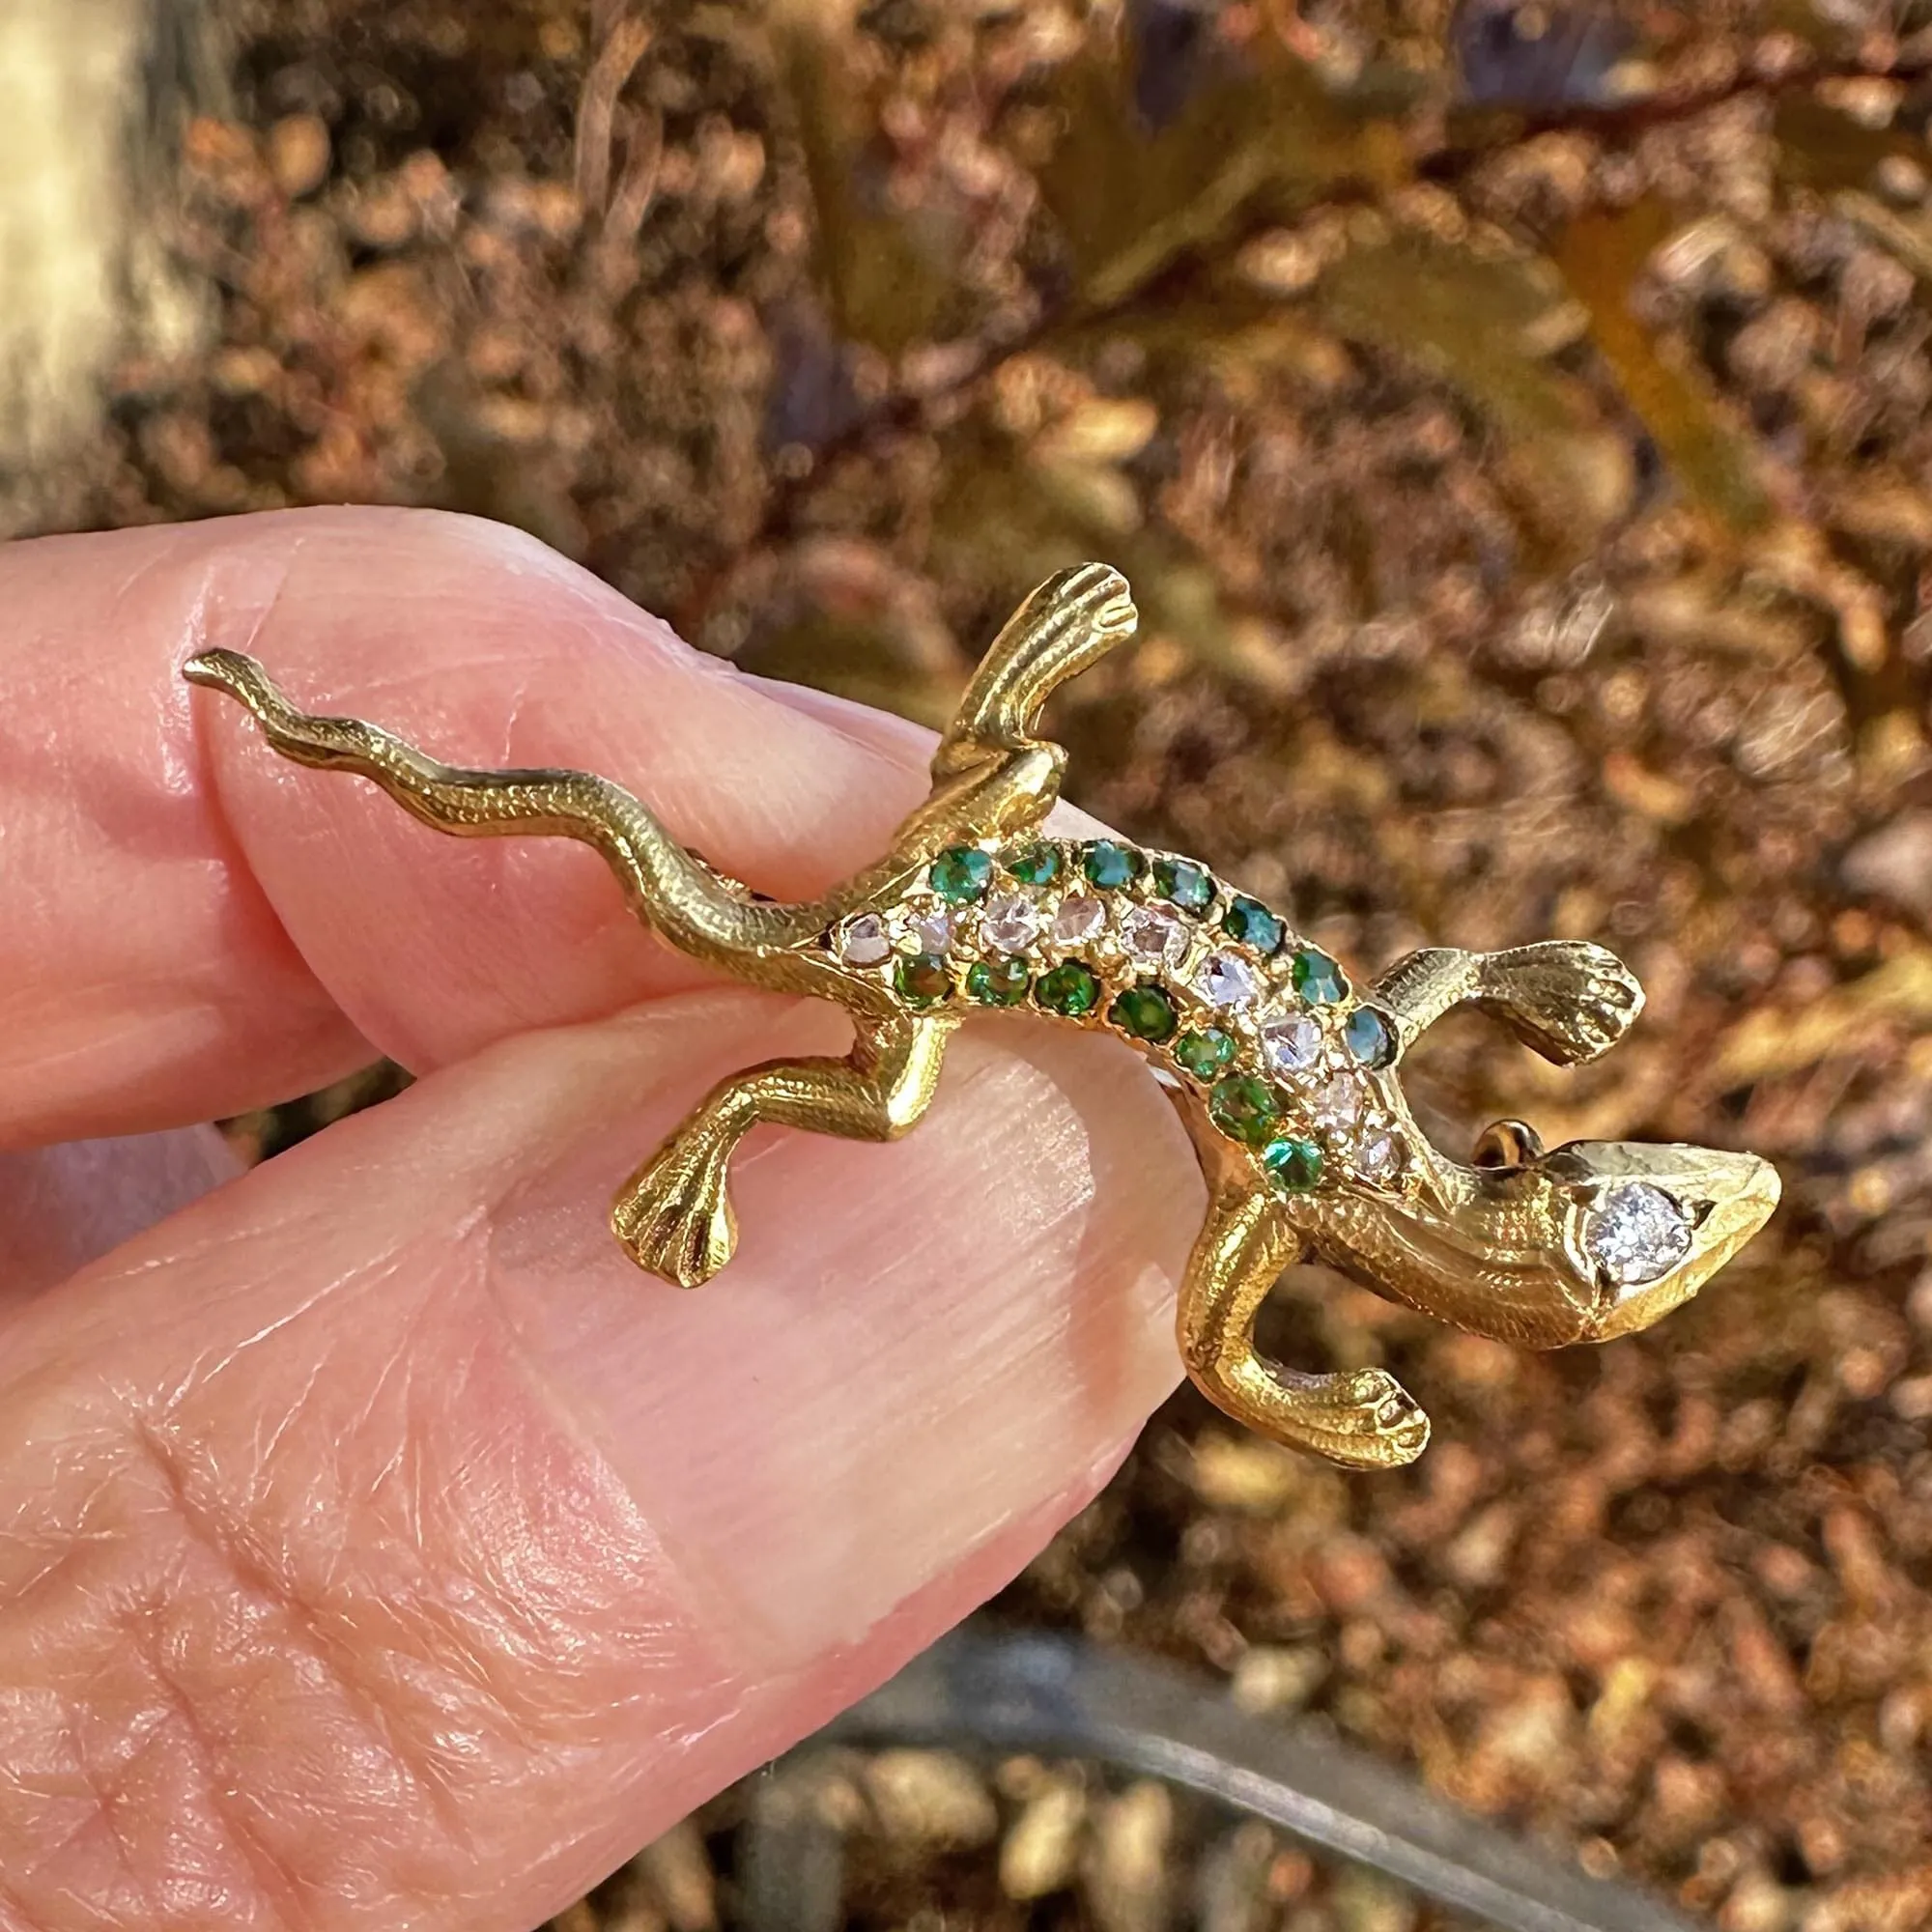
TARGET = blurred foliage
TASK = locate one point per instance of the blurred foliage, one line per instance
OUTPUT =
(1517, 419)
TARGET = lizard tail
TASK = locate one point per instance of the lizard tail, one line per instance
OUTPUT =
(671, 891)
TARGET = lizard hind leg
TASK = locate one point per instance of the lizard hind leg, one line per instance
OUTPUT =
(1069, 623)
(1362, 1418)
(674, 1215)
(991, 777)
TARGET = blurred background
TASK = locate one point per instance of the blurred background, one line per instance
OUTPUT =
(1514, 418)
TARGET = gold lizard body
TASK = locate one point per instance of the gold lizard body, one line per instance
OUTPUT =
(1284, 1075)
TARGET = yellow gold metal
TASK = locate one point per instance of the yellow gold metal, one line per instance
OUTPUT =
(1284, 1075)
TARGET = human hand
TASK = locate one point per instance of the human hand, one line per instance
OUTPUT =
(377, 1545)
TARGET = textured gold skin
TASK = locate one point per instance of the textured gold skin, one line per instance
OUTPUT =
(1494, 1247)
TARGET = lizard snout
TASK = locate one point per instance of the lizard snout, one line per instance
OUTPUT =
(1648, 1225)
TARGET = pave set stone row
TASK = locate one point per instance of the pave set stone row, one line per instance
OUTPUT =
(1209, 983)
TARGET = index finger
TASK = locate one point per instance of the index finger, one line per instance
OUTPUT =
(194, 927)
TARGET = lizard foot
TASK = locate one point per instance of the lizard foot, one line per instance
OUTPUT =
(1568, 999)
(1365, 1418)
(673, 1216)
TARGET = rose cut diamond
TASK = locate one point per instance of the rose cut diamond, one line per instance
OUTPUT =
(1227, 979)
(1012, 923)
(1152, 933)
(1293, 1045)
(1379, 1158)
(1079, 919)
(1638, 1233)
(934, 932)
(863, 942)
(1339, 1104)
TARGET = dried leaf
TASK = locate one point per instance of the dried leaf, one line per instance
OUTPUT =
(1478, 321)
(1600, 256)
(885, 272)
(1821, 147)
(1907, 240)
(1841, 1023)
(1128, 199)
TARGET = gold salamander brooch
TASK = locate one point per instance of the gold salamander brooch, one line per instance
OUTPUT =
(1283, 1073)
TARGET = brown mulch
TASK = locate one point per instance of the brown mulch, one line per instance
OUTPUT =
(1529, 485)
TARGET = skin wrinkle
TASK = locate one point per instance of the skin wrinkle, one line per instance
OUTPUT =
(235, 1556)
(13, 1908)
(278, 1884)
(398, 1360)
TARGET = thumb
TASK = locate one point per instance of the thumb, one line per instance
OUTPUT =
(377, 1547)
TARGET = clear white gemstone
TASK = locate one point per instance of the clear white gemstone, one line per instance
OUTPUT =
(1079, 919)
(933, 931)
(863, 942)
(1293, 1045)
(1154, 934)
(1638, 1233)
(1009, 925)
(1227, 979)
(1379, 1158)
(1339, 1104)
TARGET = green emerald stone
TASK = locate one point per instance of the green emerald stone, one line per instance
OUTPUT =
(998, 982)
(1182, 883)
(960, 873)
(921, 978)
(1317, 979)
(1370, 1037)
(1036, 864)
(1292, 1164)
(1243, 1108)
(1109, 866)
(1252, 924)
(1204, 1054)
(1145, 1012)
(1069, 988)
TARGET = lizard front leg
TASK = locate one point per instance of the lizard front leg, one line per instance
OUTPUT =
(675, 1214)
(1363, 1418)
(1568, 999)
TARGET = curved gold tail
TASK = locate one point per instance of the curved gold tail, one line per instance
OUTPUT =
(676, 895)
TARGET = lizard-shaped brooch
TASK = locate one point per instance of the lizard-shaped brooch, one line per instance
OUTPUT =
(1285, 1075)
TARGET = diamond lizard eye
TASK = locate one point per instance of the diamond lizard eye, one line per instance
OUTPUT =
(1638, 1233)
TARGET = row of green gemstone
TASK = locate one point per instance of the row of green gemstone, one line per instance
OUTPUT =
(1241, 1106)
(961, 875)
(1072, 990)
(1249, 1110)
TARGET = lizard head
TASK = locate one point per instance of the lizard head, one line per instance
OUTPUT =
(1542, 1247)
(1534, 1246)
(1639, 1225)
